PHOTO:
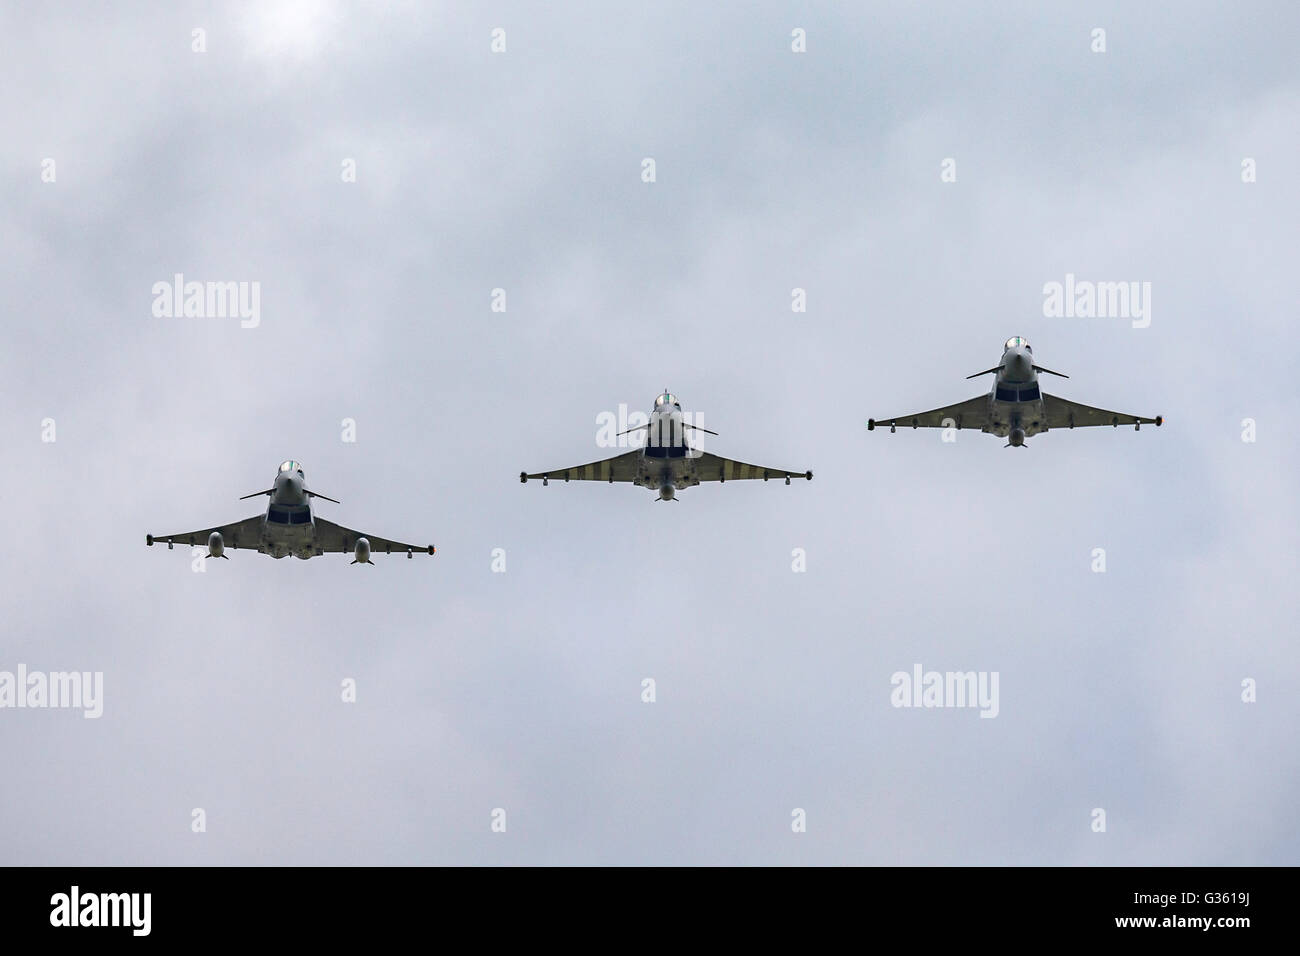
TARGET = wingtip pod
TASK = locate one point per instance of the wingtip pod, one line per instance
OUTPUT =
(871, 424)
(432, 549)
(523, 477)
(148, 540)
(808, 475)
(1160, 420)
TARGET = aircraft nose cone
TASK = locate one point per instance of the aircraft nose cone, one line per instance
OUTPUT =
(289, 488)
(1018, 366)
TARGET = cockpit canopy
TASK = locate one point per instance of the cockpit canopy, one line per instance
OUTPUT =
(1019, 342)
(667, 398)
(288, 466)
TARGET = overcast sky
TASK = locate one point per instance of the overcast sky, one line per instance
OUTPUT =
(774, 170)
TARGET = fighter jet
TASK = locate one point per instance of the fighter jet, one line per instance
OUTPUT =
(1015, 409)
(666, 462)
(289, 527)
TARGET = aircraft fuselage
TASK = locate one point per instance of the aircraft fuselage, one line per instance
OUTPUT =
(1015, 402)
(287, 527)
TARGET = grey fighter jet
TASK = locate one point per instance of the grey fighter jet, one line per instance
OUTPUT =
(666, 463)
(289, 527)
(1015, 408)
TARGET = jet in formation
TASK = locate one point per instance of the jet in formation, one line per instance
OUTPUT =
(290, 528)
(1015, 408)
(666, 462)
